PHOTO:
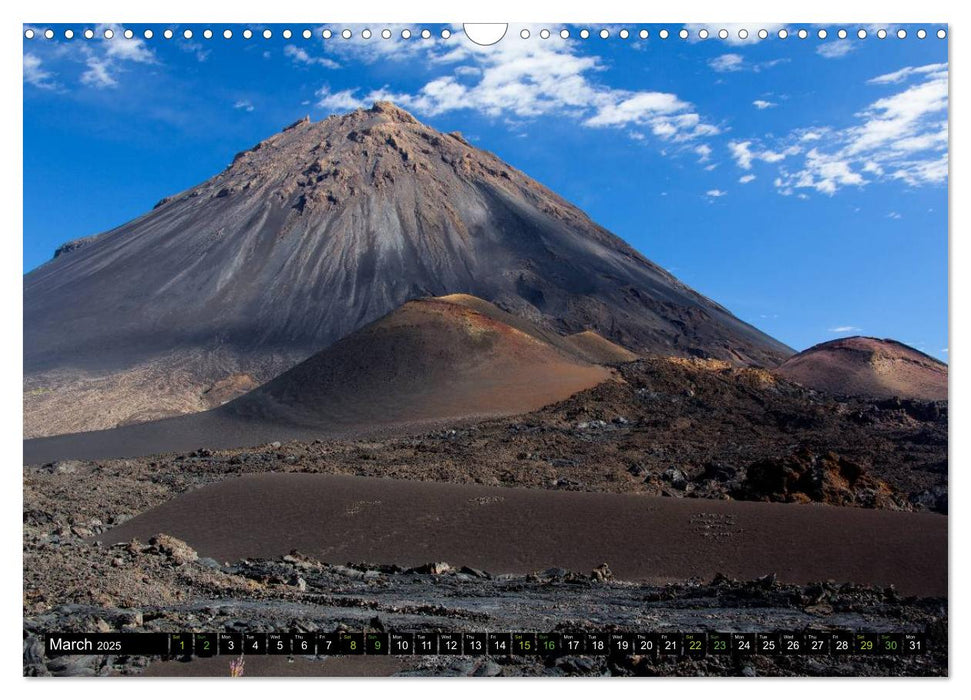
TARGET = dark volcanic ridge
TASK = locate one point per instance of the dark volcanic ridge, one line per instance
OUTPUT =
(327, 226)
(868, 367)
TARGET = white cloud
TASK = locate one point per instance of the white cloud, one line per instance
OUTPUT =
(244, 105)
(733, 62)
(524, 80)
(744, 154)
(704, 152)
(901, 136)
(896, 121)
(917, 172)
(835, 49)
(845, 329)
(630, 108)
(745, 179)
(300, 56)
(904, 73)
(894, 215)
(35, 75)
(103, 60)
(763, 104)
(97, 75)
(343, 101)
(716, 193)
(121, 49)
(727, 63)
(824, 172)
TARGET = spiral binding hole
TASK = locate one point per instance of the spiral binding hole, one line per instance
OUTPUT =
(288, 34)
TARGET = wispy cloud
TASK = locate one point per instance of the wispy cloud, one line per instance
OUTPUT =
(845, 329)
(763, 104)
(903, 74)
(35, 75)
(98, 74)
(901, 136)
(745, 153)
(102, 60)
(244, 105)
(341, 101)
(745, 179)
(716, 193)
(836, 48)
(734, 62)
(302, 57)
(104, 65)
(196, 49)
(118, 48)
(528, 79)
(727, 63)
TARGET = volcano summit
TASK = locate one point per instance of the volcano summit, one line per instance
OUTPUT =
(309, 236)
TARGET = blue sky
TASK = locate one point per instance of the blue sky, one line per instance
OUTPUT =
(802, 183)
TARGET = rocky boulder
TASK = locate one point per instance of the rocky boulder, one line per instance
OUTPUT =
(805, 476)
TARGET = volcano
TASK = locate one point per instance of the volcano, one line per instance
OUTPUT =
(311, 235)
(431, 359)
(861, 366)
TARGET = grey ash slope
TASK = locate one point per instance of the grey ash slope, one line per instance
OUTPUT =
(327, 226)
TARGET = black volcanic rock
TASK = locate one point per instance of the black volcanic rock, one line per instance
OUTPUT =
(71, 246)
(327, 226)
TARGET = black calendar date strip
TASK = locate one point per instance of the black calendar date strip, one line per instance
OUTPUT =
(661, 644)
(115, 644)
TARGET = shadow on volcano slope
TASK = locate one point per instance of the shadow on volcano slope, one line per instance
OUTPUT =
(431, 360)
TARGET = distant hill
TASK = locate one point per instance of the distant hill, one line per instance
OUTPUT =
(861, 366)
(430, 359)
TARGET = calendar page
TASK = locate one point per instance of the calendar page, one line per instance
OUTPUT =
(541, 350)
